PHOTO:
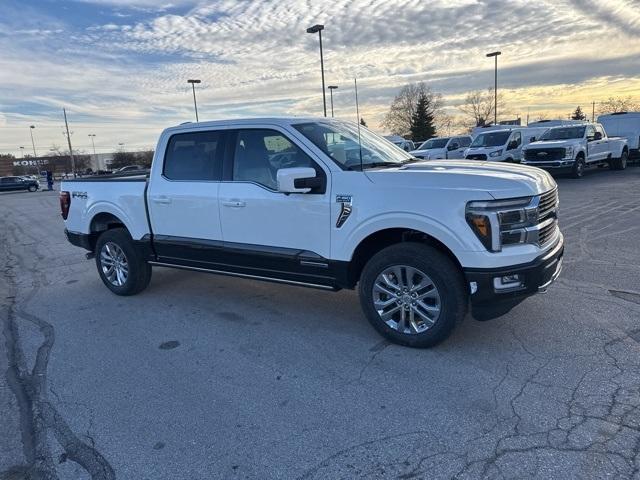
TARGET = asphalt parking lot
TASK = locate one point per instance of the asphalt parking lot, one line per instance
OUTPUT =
(203, 377)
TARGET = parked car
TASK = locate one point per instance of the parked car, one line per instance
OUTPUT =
(626, 125)
(572, 149)
(18, 183)
(502, 145)
(280, 200)
(132, 169)
(443, 147)
(403, 143)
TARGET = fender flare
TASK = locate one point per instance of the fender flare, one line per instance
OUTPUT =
(112, 209)
(403, 220)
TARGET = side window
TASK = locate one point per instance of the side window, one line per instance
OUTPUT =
(590, 132)
(517, 137)
(464, 142)
(600, 129)
(259, 153)
(195, 156)
(6, 180)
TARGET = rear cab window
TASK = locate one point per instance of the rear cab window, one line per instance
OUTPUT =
(194, 156)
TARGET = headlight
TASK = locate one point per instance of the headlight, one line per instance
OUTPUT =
(568, 152)
(497, 153)
(502, 222)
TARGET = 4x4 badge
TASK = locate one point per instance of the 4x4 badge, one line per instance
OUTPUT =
(345, 209)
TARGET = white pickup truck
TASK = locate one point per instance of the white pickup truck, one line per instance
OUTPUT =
(321, 203)
(573, 148)
(440, 148)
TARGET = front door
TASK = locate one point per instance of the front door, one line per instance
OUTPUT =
(183, 199)
(266, 232)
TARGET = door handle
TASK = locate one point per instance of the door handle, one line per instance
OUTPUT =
(161, 199)
(234, 204)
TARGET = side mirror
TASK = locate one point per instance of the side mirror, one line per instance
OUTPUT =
(597, 136)
(297, 180)
(513, 144)
(532, 139)
(453, 146)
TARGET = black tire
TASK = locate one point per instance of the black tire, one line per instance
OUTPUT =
(620, 163)
(33, 188)
(445, 276)
(139, 271)
(578, 167)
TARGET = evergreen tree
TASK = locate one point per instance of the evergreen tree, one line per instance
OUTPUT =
(578, 114)
(362, 122)
(422, 121)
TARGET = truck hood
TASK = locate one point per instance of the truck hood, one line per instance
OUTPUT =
(554, 144)
(430, 151)
(500, 180)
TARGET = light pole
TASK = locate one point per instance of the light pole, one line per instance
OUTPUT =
(193, 87)
(495, 87)
(331, 89)
(318, 29)
(33, 144)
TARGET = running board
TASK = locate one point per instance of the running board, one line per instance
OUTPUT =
(245, 275)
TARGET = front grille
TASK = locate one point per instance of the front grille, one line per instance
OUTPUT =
(548, 204)
(546, 233)
(544, 154)
(476, 156)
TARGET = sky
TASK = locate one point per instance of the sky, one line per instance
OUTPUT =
(120, 68)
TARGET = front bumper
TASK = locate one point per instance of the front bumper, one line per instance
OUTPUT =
(488, 302)
(555, 165)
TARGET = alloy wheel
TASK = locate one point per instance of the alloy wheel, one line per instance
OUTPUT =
(114, 264)
(406, 299)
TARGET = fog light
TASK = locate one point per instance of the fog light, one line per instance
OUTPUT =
(508, 281)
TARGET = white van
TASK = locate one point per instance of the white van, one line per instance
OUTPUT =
(624, 124)
(503, 145)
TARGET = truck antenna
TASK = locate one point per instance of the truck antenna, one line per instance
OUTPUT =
(355, 82)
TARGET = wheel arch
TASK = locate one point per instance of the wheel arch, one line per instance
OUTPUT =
(383, 238)
(101, 222)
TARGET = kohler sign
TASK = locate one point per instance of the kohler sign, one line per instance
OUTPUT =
(30, 163)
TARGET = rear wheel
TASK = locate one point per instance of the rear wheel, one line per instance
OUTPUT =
(120, 265)
(33, 188)
(620, 163)
(413, 294)
(578, 167)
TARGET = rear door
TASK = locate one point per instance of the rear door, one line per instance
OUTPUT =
(266, 232)
(183, 199)
(604, 144)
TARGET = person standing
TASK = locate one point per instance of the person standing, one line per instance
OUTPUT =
(50, 179)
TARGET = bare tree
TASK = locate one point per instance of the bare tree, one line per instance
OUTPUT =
(398, 119)
(479, 106)
(619, 104)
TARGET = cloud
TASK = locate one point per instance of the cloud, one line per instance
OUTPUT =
(129, 61)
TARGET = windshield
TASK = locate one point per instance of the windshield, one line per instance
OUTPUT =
(434, 143)
(339, 140)
(491, 139)
(564, 133)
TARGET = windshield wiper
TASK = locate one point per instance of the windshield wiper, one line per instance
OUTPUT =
(381, 164)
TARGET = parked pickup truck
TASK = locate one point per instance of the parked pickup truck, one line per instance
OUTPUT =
(292, 201)
(442, 147)
(573, 148)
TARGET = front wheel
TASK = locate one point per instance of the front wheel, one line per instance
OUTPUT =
(413, 294)
(33, 188)
(120, 265)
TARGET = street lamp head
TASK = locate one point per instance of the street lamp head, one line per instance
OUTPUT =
(494, 54)
(32, 126)
(315, 28)
(193, 81)
(332, 87)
